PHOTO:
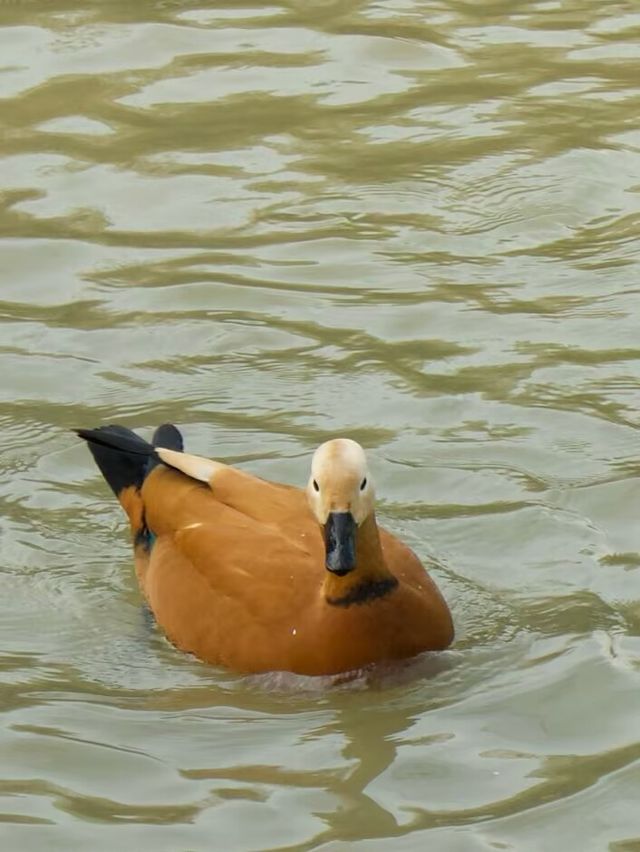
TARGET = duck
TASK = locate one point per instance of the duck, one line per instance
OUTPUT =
(257, 576)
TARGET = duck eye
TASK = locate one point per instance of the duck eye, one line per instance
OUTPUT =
(363, 484)
(316, 487)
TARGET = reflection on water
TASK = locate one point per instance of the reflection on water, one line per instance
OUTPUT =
(413, 223)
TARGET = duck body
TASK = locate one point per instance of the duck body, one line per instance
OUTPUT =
(235, 568)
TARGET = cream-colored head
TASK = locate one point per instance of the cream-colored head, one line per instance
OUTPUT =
(340, 481)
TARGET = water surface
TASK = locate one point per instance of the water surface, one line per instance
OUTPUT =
(413, 223)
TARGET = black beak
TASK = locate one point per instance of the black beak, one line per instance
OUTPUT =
(340, 543)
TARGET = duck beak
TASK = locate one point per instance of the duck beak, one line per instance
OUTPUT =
(340, 543)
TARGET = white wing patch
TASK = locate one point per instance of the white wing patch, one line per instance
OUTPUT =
(196, 467)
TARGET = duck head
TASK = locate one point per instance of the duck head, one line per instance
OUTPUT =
(341, 496)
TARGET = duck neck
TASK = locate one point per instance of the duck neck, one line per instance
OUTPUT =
(371, 577)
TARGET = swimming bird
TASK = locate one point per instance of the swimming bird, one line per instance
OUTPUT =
(258, 576)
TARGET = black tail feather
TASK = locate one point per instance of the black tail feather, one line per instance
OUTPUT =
(168, 437)
(116, 438)
(124, 458)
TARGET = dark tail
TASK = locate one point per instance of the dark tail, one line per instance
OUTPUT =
(125, 458)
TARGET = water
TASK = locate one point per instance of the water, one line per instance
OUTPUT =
(413, 223)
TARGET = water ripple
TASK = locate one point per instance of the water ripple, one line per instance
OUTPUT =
(412, 223)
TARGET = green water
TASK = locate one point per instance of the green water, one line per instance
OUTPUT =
(414, 223)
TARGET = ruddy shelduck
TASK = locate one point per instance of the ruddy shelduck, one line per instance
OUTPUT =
(258, 576)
